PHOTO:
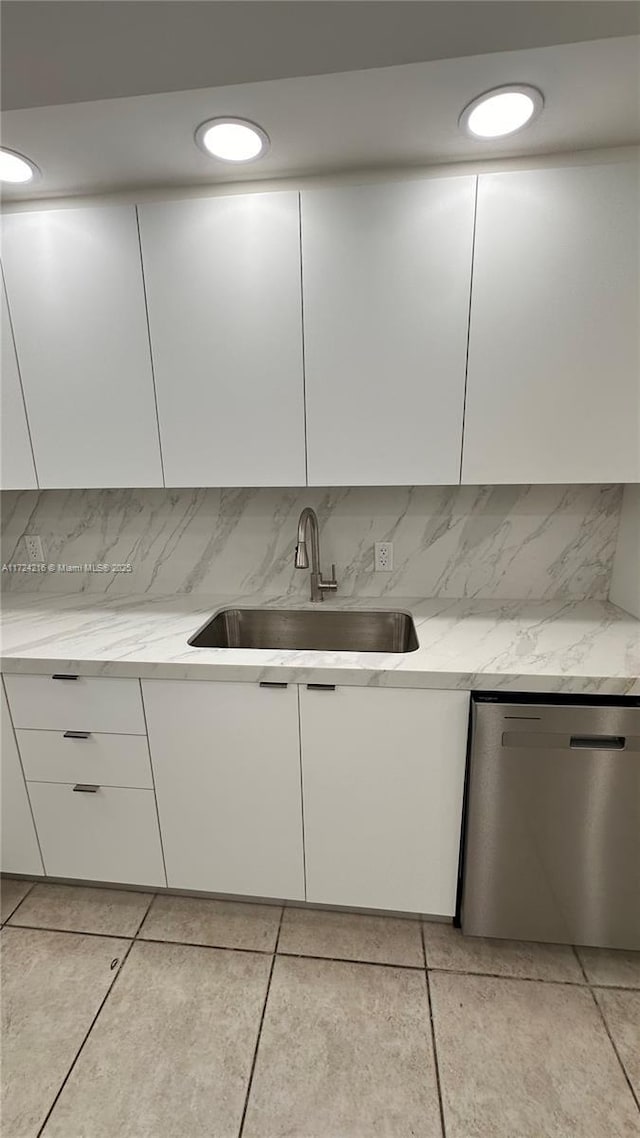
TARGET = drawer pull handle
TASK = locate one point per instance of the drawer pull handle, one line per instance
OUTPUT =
(272, 684)
(77, 735)
(321, 687)
(61, 676)
(86, 788)
(598, 742)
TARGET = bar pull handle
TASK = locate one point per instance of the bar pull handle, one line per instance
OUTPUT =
(77, 735)
(62, 676)
(86, 788)
(321, 687)
(272, 684)
(598, 742)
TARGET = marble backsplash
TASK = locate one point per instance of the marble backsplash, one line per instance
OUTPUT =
(511, 542)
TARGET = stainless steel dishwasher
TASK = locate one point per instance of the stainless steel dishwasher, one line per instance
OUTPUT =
(552, 825)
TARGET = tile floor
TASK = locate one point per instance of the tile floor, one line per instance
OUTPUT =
(132, 1016)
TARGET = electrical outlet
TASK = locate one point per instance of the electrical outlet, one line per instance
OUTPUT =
(383, 556)
(35, 552)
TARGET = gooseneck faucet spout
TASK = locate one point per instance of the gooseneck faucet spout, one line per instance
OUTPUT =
(308, 520)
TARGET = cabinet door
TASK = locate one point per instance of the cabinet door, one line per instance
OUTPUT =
(386, 273)
(20, 853)
(383, 779)
(74, 283)
(109, 834)
(226, 763)
(223, 289)
(553, 393)
(17, 471)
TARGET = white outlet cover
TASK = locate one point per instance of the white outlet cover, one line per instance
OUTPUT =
(383, 556)
(35, 552)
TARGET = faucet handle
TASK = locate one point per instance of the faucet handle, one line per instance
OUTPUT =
(333, 583)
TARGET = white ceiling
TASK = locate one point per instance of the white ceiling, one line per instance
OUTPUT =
(393, 116)
(60, 51)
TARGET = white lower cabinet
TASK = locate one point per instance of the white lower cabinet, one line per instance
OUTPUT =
(85, 756)
(20, 853)
(108, 834)
(373, 776)
(383, 781)
(226, 762)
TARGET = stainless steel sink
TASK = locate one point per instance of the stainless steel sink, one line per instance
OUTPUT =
(320, 629)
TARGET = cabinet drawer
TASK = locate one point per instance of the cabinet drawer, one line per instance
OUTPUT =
(111, 835)
(88, 703)
(111, 760)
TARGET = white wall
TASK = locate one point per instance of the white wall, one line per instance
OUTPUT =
(625, 578)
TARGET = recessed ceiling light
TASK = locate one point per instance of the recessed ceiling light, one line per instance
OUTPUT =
(232, 140)
(14, 168)
(501, 111)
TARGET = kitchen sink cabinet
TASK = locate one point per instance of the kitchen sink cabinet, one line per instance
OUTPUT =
(342, 795)
(225, 317)
(554, 355)
(17, 471)
(20, 852)
(382, 784)
(387, 276)
(76, 296)
(226, 762)
(383, 778)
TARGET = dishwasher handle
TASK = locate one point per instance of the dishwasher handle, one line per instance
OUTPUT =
(563, 741)
(598, 742)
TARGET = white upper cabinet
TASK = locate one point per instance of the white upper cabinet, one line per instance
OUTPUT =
(76, 296)
(16, 460)
(553, 392)
(223, 290)
(386, 277)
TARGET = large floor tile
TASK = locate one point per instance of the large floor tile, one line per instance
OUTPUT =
(11, 894)
(52, 986)
(222, 924)
(448, 949)
(611, 969)
(76, 908)
(521, 1059)
(172, 1050)
(351, 936)
(345, 1052)
(621, 1011)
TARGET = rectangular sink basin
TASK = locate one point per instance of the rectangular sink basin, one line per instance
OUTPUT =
(323, 630)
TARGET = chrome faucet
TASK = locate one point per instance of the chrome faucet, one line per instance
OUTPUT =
(308, 519)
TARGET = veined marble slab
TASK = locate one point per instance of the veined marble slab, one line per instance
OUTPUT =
(483, 542)
(546, 646)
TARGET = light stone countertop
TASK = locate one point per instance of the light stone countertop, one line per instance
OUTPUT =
(546, 646)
